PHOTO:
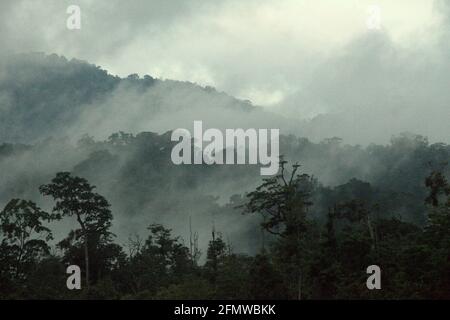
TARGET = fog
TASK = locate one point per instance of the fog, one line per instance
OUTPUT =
(310, 69)
(302, 60)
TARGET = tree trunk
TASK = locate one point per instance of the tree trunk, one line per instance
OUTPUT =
(372, 233)
(86, 260)
(299, 297)
(86, 250)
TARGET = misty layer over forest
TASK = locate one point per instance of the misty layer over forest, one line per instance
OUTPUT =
(58, 115)
(91, 93)
(151, 229)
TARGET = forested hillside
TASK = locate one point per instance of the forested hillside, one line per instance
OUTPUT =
(48, 96)
(153, 229)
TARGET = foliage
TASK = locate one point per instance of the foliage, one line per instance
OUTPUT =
(305, 257)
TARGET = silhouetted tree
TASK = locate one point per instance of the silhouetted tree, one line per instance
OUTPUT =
(23, 239)
(284, 200)
(75, 197)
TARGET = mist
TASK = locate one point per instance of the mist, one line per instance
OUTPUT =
(152, 67)
(320, 67)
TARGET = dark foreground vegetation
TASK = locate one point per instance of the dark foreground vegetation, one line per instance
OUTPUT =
(301, 257)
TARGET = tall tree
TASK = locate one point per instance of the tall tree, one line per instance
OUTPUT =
(75, 197)
(283, 200)
(437, 232)
(214, 257)
(23, 238)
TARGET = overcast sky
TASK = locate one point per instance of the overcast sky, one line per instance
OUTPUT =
(300, 58)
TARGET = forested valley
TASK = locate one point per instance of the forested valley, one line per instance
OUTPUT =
(308, 241)
(86, 180)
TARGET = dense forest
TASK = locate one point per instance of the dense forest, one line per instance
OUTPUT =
(303, 259)
(140, 227)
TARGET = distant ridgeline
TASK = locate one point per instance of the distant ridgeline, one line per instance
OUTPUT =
(42, 94)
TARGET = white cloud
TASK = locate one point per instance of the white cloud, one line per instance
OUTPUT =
(299, 58)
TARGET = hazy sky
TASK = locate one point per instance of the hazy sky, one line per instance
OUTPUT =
(300, 58)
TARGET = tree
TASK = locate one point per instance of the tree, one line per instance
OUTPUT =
(325, 268)
(23, 238)
(356, 212)
(264, 280)
(214, 257)
(437, 232)
(226, 271)
(439, 189)
(437, 229)
(75, 197)
(283, 200)
(157, 263)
